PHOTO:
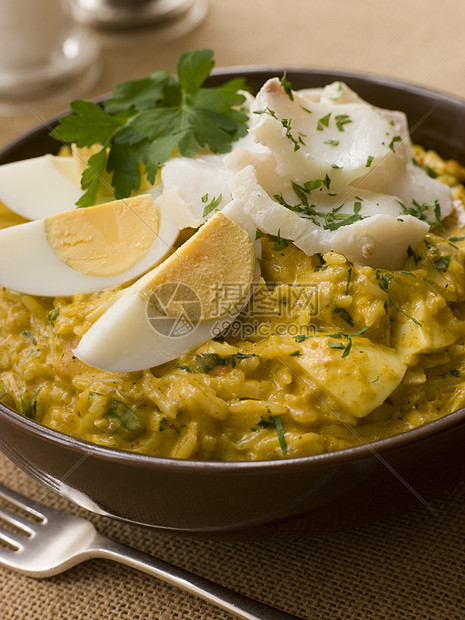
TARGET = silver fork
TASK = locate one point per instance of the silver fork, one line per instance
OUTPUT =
(49, 542)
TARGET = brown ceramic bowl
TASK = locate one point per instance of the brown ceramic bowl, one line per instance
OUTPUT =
(217, 496)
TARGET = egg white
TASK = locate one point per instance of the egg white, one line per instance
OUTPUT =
(39, 187)
(28, 264)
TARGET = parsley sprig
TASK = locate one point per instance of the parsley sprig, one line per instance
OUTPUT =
(145, 120)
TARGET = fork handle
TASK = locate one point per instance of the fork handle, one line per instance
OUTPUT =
(238, 605)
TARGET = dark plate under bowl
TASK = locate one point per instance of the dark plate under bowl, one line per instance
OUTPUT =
(217, 496)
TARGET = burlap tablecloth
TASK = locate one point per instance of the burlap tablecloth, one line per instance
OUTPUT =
(376, 553)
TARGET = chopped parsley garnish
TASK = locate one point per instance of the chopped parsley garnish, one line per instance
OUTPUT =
(430, 172)
(145, 120)
(412, 254)
(383, 285)
(331, 142)
(309, 186)
(442, 263)
(335, 220)
(212, 205)
(349, 274)
(29, 336)
(323, 122)
(349, 277)
(345, 315)
(119, 411)
(280, 432)
(348, 337)
(296, 354)
(456, 239)
(316, 183)
(341, 120)
(300, 338)
(53, 314)
(384, 281)
(286, 123)
(266, 422)
(267, 111)
(240, 356)
(205, 362)
(420, 211)
(287, 86)
(437, 215)
(370, 159)
(277, 423)
(126, 416)
(27, 408)
(417, 210)
(280, 243)
(408, 273)
(393, 143)
(330, 220)
(300, 193)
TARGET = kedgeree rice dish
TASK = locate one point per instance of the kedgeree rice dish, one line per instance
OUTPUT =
(244, 277)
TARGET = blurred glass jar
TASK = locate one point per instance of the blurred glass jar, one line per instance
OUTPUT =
(123, 14)
(42, 51)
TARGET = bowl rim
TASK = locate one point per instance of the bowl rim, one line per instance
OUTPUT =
(415, 88)
(374, 449)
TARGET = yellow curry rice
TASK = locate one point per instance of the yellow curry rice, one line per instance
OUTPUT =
(247, 396)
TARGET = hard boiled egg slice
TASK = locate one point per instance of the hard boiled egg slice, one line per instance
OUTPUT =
(40, 187)
(85, 250)
(188, 299)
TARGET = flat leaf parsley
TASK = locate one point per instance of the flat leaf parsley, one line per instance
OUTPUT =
(145, 120)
